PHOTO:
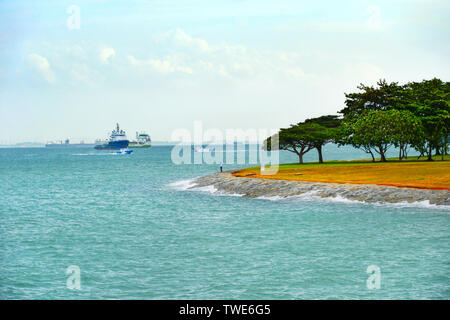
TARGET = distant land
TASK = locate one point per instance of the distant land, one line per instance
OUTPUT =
(154, 143)
(42, 145)
(24, 145)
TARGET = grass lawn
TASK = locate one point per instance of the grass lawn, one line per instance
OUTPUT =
(411, 173)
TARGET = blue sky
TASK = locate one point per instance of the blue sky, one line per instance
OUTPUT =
(160, 65)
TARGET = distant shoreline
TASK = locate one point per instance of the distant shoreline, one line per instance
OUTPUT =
(255, 187)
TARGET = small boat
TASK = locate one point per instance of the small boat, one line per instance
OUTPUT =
(124, 151)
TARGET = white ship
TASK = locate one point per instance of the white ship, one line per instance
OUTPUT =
(143, 140)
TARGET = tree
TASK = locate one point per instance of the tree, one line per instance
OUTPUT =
(377, 131)
(346, 136)
(430, 101)
(304, 136)
(407, 130)
(296, 139)
(384, 96)
(323, 131)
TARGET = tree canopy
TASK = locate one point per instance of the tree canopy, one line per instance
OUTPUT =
(377, 131)
(416, 114)
(304, 136)
(428, 104)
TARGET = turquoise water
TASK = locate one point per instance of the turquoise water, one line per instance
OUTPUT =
(136, 236)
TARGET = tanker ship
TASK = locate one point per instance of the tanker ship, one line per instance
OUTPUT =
(67, 144)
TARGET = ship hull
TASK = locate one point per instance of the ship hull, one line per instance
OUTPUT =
(133, 146)
(113, 145)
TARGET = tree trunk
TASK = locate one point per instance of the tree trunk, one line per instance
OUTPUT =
(319, 151)
(438, 152)
(430, 153)
(381, 151)
(373, 157)
(445, 147)
(400, 156)
(300, 158)
(383, 157)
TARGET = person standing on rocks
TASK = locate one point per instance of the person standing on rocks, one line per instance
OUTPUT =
(221, 167)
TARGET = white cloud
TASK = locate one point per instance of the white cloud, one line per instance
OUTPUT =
(182, 39)
(42, 65)
(81, 73)
(106, 54)
(162, 66)
(183, 55)
(197, 56)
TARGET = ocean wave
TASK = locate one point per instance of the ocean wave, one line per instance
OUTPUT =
(214, 191)
(189, 184)
(95, 154)
(421, 204)
(312, 196)
(273, 198)
(183, 184)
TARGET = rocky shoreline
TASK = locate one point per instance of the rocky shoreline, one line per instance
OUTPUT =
(254, 188)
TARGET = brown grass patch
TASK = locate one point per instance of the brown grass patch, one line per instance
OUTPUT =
(423, 175)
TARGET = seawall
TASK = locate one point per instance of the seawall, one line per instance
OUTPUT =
(254, 188)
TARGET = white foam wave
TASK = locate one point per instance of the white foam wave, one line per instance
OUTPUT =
(415, 204)
(339, 199)
(183, 184)
(210, 189)
(190, 184)
(232, 194)
(307, 196)
(273, 198)
(312, 196)
(94, 154)
(213, 190)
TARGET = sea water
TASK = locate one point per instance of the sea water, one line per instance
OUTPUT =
(134, 230)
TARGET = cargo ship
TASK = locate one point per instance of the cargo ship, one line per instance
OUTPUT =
(67, 144)
(117, 141)
(143, 140)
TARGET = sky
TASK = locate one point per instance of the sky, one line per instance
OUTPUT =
(75, 68)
